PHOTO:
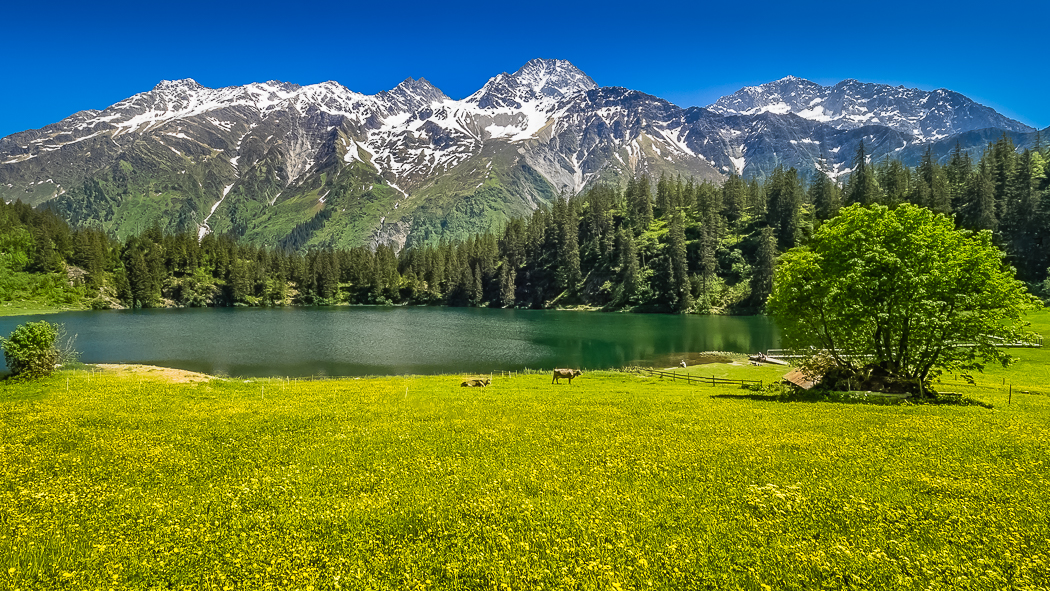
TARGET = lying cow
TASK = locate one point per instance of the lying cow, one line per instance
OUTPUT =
(565, 373)
(476, 383)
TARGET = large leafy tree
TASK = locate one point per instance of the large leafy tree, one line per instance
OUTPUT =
(900, 290)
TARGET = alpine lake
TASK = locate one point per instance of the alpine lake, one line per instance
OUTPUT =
(365, 340)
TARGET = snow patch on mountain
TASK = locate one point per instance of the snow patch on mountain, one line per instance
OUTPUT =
(927, 115)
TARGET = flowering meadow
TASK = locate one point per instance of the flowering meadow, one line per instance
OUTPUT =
(614, 482)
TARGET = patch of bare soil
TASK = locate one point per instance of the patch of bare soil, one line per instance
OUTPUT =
(163, 374)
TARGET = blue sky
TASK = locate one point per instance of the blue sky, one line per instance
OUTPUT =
(61, 57)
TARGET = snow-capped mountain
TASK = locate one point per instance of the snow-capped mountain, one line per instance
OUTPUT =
(539, 82)
(320, 164)
(925, 115)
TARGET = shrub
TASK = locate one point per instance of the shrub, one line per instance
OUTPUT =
(31, 351)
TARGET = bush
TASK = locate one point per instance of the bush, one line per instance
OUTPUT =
(32, 349)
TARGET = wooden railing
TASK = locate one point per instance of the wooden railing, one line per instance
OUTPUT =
(694, 379)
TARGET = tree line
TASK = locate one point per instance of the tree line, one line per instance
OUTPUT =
(659, 245)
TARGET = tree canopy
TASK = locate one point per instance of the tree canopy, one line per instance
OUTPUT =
(900, 291)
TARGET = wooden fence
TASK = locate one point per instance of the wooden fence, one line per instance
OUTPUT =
(694, 379)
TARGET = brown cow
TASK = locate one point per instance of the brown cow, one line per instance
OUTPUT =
(565, 373)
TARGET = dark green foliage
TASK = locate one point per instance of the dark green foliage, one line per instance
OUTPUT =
(696, 247)
(931, 188)
(629, 275)
(825, 196)
(862, 187)
(784, 213)
(762, 278)
(302, 233)
(640, 203)
(679, 297)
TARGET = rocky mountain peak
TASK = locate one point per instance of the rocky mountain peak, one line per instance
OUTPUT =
(539, 80)
(852, 104)
(177, 85)
(412, 95)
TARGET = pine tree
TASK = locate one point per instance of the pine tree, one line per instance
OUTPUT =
(895, 180)
(734, 197)
(825, 196)
(932, 187)
(569, 275)
(680, 297)
(862, 187)
(140, 280)
(762, 276)
(958, 173)
(1022, 225)
(641, 203)
(663, 196)
(507, 278)
(630, 272)
(688, 200)
(707, 262)
(979, 197)
(756, 199)
(785, 202)
(1003, 167)
(477, 294)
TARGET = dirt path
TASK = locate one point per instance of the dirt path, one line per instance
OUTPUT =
(166, 374)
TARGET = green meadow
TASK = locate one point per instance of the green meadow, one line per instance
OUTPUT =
(617, 481)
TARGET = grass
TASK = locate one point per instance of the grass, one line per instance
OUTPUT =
(30, 307)
(614, 482)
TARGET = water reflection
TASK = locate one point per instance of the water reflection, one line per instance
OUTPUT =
(365, 340)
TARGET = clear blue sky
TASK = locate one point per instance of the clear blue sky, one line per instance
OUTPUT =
(61, 57)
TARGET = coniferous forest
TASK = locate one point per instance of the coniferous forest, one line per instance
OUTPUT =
(657, 245)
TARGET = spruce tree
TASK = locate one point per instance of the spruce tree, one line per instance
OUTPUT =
(734, 197)
(762, 275)
(825, 196)
(507, 277)
(680, 297)
(979, 197)
(568, 255)
(1003, 169)
(862, 187)
(663, 196)
(477, 294)
(895, 180)
(641, 203)
(630, 272)
(934, 188)
(707, 262)
(785, 202)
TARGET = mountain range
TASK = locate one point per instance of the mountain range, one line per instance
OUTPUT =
(321, 165)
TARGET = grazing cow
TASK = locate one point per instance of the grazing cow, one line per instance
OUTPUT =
(476, 383)
(565, 373)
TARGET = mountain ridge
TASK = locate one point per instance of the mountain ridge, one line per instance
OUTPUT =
(845, 105)
(412, 164)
